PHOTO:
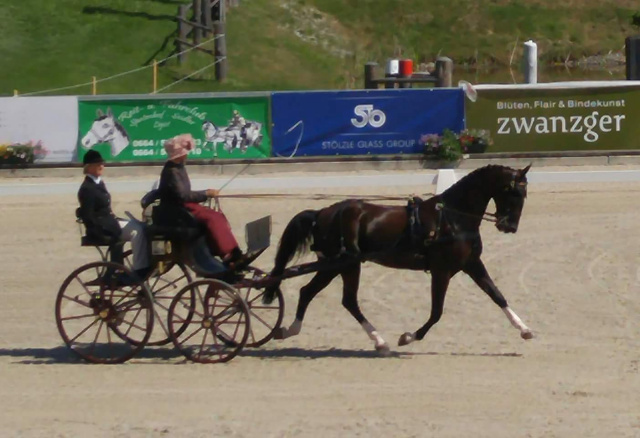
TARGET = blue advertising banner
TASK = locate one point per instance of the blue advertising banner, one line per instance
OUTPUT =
(362, 122)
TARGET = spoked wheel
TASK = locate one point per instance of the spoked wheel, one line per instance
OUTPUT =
(101, 320)
(265, 318)
(164, 282)
(217, 321)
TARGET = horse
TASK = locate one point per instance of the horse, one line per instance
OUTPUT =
(106, 129)
(440, 235)
(232, 136)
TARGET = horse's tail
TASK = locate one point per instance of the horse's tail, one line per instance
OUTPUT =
(295, 240)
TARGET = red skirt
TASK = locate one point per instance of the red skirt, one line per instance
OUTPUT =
(220, 237)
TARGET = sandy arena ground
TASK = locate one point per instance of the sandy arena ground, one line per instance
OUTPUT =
(571, 273)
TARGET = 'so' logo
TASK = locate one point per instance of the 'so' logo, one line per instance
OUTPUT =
(366, 115)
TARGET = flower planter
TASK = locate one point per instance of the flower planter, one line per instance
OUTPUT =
(477, 146)
(449, 147)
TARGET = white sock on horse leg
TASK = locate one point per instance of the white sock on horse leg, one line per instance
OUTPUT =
(515, 320)
(373, 334)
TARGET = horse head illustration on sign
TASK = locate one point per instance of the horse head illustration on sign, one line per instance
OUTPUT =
(106, 129)
(239, 134)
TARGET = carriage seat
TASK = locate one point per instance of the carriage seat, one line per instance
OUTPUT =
(178, 225)
(88, 239)
(174, 224)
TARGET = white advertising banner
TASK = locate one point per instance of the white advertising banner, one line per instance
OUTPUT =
(38, 129)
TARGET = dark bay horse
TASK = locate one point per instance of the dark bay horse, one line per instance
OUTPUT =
(440, 235)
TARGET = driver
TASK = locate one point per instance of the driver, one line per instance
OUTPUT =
(238, 120)
(175, 192)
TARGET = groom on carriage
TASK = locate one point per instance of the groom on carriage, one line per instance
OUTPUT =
(101, 224)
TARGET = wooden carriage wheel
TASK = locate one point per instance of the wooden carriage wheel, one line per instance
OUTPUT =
(99, 320)
(163, 282)
(217, 321)
(265, 318)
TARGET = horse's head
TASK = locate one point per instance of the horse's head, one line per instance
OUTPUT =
(509, 197)
(209, 128)
(102, 130)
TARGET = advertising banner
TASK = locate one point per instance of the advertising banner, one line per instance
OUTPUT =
(548, 118)
(38, 129)
(362, 122)
(135, 129)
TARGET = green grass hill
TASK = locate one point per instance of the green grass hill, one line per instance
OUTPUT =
(289, 44)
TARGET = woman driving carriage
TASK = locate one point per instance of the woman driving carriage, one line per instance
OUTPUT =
(175, 192)
(100, 222)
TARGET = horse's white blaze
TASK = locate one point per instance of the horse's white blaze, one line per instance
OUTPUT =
(105, 131)
(373, 334)
(293, 330)
(89, 140)
(515, 320)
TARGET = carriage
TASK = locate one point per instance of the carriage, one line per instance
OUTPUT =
(210, 319)
(189, 298)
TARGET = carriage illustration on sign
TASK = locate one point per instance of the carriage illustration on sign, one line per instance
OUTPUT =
(239, 134)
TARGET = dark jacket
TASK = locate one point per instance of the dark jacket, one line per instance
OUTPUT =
(175, 191)
(95, 211)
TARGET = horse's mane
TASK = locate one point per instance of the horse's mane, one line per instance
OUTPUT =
(120, 128)
(473, 178)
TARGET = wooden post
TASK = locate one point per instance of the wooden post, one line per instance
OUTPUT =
(182, 31)
(370, 75)
(632, 53)
(94, 85)
(223, 10)
(155, 76)
(220, 50)
(197, 18)
(444, 72)
(207, 19)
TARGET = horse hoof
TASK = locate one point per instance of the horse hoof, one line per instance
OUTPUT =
(527, 334)
(278, 333)
(383, 350)
(405, 339)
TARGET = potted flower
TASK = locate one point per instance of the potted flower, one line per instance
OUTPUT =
(21, 153)
(475, 141)
(445, 147)
(451, 146)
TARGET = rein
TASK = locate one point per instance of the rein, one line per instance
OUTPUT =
(316, 196)
(489, 217)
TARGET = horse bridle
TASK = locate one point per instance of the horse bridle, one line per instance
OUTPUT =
(99, 138)
(489, 217)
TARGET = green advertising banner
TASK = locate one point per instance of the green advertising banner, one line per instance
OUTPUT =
(135, 130)
(547, 118)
